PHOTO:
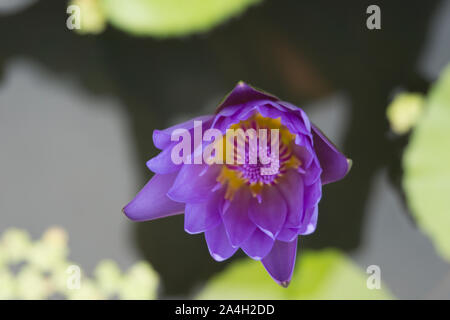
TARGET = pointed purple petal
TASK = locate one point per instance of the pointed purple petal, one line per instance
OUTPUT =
(270, 214)
(235, 218)
(151, 202)
(244, 93)
(194, 183)
(199, 217)
(280, 261)
(163, 163)
(258, 245)
(334, 164)
(218, 244)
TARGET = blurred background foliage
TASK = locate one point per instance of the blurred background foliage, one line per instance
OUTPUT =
(163, 58)
(404, 112)
(41, 270)
(158, 18)
(325, 274)
(426, 163)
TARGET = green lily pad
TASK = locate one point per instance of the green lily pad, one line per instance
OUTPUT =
(164, 18)
(426, 165)
(325, 274)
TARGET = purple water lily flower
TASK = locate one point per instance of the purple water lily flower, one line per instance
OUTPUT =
(235, 205)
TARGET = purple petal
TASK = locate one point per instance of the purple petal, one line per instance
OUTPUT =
(244, 93)
(310, 222)
(235, 218)
(270, 214)
(313, 173)
(163, 163)
(280, 261)
(304, 155)
(258, 245)
(194, 183)
(334, 164)
(288, 234)
(151, 202)
(313, 194)
(268, 111)
(161, 138)
(218, 244)
(234, 114)
(291, 188)
(303, 116)
(199, 217)
(294, 118)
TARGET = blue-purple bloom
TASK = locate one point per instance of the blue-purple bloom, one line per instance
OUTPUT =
(235, 206)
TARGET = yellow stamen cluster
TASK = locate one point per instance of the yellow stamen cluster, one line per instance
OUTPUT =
(233, 179)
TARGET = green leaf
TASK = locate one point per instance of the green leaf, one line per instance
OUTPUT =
(164, 18)
(325, 274)
(426, 165)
